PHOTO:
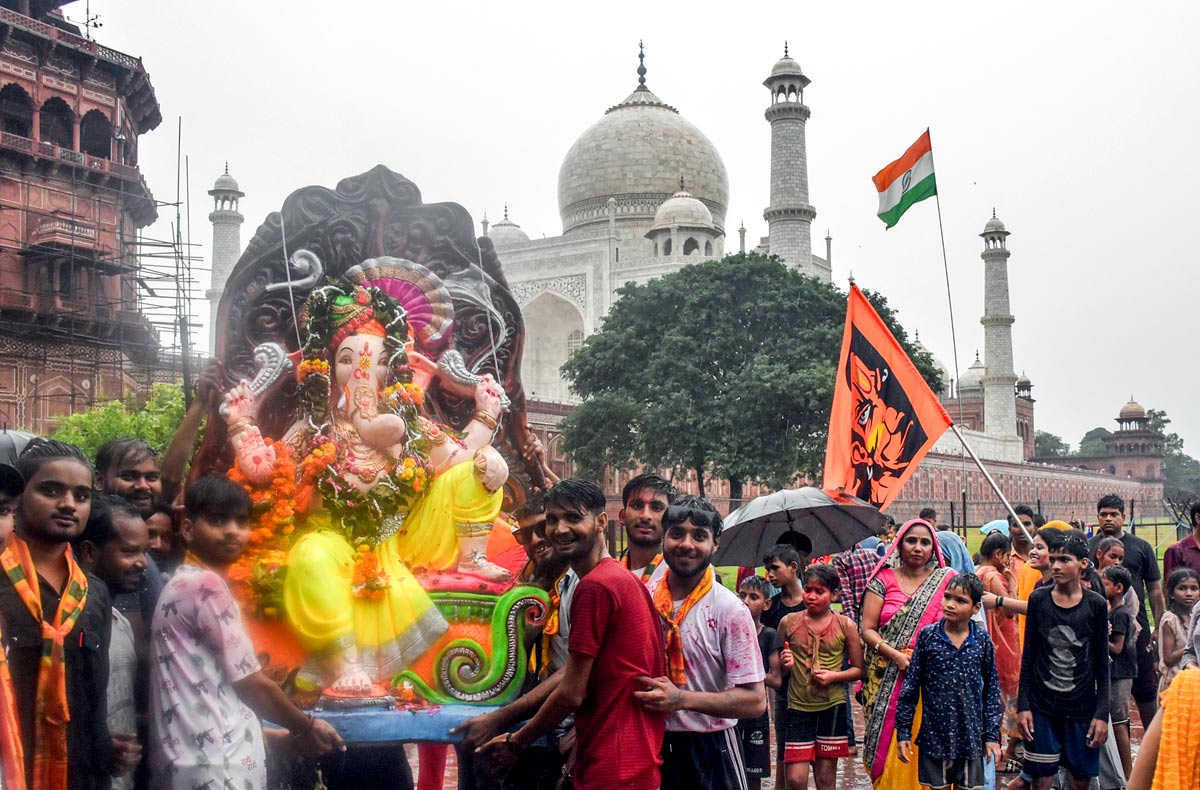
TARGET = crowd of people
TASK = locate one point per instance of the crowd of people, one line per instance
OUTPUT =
(126, 662)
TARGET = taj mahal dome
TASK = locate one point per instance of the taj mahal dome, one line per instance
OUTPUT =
(642, 193)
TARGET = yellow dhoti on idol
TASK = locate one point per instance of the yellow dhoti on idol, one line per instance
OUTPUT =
(399, 623)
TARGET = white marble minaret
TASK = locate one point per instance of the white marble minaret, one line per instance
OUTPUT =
(789, 217)
(999, 380)
(226, 247)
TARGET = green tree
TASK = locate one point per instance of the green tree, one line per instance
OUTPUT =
(725, 368)
(1182, 471)
(154, 420)
(1092, 442)
(1047, 444)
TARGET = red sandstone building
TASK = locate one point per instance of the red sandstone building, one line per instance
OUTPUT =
(71, 202)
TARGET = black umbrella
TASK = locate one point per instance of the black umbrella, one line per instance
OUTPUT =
(831, 520)
(12, 443)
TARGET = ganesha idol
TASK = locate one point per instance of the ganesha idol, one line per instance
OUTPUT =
(365, 493)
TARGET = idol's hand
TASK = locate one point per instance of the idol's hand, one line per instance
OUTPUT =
(488, 395)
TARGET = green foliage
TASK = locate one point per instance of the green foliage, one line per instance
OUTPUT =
(1182, 483)
(155, 420)
(725, 367)
(1047, 444)
(1092, 442)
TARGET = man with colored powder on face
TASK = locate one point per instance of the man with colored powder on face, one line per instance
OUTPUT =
(714, 666)
(615, 639)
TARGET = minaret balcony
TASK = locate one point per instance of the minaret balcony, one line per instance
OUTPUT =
(788, 110)
(790, 212)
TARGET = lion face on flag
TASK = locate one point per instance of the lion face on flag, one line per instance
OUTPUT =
(879, 434)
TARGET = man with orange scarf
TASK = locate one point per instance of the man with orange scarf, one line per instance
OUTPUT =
(56, 623)
(714, 667)
(12, 755)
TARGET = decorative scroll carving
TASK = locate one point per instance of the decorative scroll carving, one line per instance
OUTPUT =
(572, 287)
(377, 213)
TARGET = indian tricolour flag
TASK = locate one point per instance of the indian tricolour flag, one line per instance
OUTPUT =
(906, 181)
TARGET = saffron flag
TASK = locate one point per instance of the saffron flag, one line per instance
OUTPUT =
(906, 181)
(884, 417)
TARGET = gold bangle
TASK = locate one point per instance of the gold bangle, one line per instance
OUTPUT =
(485, 418)
(239, 425)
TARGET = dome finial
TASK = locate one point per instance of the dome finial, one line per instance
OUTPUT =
(993, 212)
(641, 69)
(506, 210)
(681, 189)
(785, 48)
(226, 167)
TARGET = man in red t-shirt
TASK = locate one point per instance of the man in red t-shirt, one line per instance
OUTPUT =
(615, 638)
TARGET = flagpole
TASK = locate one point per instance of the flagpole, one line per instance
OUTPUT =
(937, 198)
(991, 482)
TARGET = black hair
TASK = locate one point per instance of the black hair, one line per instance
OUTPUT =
(785, 554)
(579, 495)
(40, 452)
(165, 509)
(101, 523)
(927, 513)
(1053, 538)
(216, 498)
(126, 451)
(969, 583)
(1178, 577)
(1039, 520)
(534, 505)
(1073, 543)
(1195, 511)
(655, 483)
(1104, 545)
(697, 510)
(995, 541)
(1020, 510)
(1111, 500)
(1119, 575)
(758, 584)
(825, 574)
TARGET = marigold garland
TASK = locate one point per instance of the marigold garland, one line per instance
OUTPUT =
(257, 576)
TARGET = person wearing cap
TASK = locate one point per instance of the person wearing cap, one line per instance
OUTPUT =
(12, 758)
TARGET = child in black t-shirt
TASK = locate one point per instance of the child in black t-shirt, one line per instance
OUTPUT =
(755, 733)
(1121, 647)
(1063, 696)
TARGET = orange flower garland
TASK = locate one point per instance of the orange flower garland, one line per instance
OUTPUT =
(404, 394)
(258, 576)
(369, 581)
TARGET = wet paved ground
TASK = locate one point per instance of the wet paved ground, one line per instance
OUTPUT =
(851, 775)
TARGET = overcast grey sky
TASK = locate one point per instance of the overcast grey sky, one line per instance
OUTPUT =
(1077, 122)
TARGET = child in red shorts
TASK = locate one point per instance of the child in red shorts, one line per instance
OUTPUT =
(817, 643)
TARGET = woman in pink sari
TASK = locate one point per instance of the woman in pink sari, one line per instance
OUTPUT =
(904, 594)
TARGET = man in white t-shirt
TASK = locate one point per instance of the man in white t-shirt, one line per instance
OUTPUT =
(207, 689)
(714, 667)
